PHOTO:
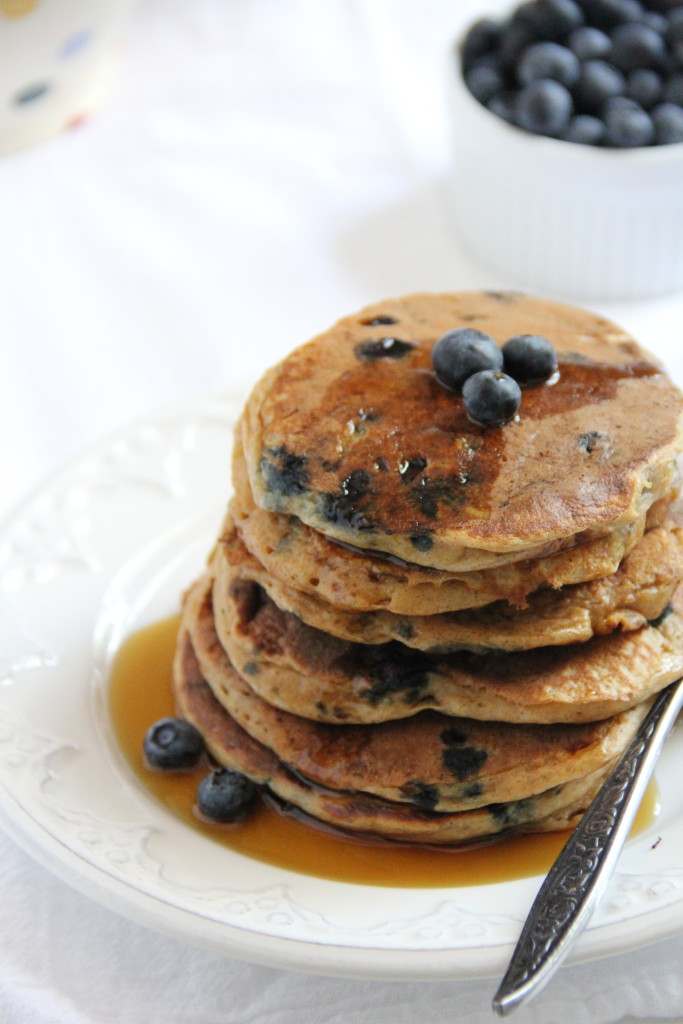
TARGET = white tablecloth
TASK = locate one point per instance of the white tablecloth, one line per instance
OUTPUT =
(263, 167)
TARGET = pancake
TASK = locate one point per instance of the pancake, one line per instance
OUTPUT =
(312, 674)
(353, 434)
(358, 813)
(355, 580)
(635, 594)
(433, 760)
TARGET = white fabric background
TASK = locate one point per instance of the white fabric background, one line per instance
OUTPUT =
(263, 167)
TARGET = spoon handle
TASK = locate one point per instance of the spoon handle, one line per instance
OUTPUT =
(578, 878)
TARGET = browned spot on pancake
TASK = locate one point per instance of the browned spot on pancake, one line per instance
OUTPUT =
(499, 490)
(473, 455)
(248, 598)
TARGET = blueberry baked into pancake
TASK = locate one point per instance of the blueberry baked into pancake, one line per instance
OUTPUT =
(356, 435)
(447, 586)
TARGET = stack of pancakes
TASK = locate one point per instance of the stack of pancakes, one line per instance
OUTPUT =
(417, 628)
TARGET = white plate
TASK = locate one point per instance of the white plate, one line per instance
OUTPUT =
(105, 547)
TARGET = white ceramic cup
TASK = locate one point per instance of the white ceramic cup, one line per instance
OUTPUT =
(57, 60)
(557, 216)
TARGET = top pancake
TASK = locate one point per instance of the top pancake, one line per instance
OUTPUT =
(355, 436)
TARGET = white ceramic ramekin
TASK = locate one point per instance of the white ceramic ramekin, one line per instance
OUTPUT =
(57, 59)
(563, 217)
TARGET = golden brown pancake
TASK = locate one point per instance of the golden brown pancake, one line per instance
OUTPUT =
(360, 813)
(431, 759)
(634, 595)
(416, 628)
(315, 675)
(353, 434)
(362, 581)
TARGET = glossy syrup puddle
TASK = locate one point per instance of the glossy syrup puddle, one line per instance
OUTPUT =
(140, 693)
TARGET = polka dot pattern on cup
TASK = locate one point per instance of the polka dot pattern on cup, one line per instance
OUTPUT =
(31, 93)
(75, 43)
(17, 8)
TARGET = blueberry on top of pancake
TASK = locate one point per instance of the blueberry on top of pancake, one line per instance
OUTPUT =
(417, 478)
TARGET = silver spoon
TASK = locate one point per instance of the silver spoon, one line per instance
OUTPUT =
(579, 877)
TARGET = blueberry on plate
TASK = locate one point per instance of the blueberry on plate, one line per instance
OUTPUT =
(172, 744)
(529, 358)
(225, 796)
(462, 352)
(491, 399)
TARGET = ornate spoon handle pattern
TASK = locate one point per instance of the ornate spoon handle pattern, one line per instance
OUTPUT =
(578, 878)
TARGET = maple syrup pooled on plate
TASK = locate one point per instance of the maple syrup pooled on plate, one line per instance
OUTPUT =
(140, 693)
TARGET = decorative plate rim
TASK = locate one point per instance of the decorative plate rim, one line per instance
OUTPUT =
(106, 545)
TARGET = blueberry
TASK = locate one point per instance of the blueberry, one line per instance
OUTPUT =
(655, 20)
(586, 130)
(645, 87)
(526, 14)
(637, 46)
(543, 107)
(560, 17)
(482, 38)
(548, 60)
(462, 352)
(502, 105)
(552, 19)
(490, 60)
(491, 399)
(529, 358)
(618, 103)
(627, 129)
(667, 119)
(673, 89)
(673, 32)
(172, 743)
(598, 81)
(607, 14)
(513, 42)
(484, 82)
(225, 796)
(589, 43)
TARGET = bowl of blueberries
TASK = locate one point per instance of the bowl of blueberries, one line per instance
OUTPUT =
(568, 145)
